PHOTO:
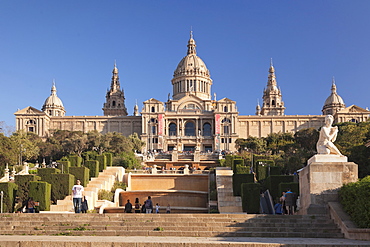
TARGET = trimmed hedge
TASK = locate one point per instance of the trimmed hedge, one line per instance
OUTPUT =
(102, 162)
(273, 181)
(109, 158)
(41, 192)
(93, 165)
(238, 180)
(355, 200)
(250, 193)
(64, 165)
(275, 170)
(81, 173)
(61, 185)
(262, 172)
(10, 190)
(75, 160)
(42, 172)
(23, 182)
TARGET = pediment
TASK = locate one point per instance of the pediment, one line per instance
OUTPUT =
(153, 101)
(226, 100)
(353, 109)
(29, 111)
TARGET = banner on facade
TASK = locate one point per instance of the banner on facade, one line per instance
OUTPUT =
(160, 124)
(217, 124)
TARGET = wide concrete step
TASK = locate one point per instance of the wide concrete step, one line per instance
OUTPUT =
(155, 232)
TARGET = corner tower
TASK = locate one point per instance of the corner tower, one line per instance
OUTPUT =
(272, 99)
(191, 75)
(334, 102)
(115, 98)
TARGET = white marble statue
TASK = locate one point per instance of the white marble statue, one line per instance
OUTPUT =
(328, 135)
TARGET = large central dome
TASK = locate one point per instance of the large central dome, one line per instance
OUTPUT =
(191, 75)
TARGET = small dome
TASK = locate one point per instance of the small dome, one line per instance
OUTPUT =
(191, 65)
(53, 100)
(334, 98)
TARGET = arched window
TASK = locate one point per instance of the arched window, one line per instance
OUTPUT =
(273, 103)
(113, 103)
(152, 109)
(226, 125)
(225, 109)
(172, 129)
(207, 129)
(189, 129)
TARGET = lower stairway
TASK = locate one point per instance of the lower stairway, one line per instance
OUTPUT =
(174, 225)
(104, 181)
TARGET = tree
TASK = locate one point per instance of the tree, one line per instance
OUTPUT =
(27, 145)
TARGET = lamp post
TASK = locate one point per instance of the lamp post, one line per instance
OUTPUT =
(2, 195)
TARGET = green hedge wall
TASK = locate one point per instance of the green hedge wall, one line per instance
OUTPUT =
(275, 170)
(23, 182)
(47, 171)
(250, 194)
(9, 190)
(273, 181)
(102, 162)
(81, 173)
(64, 165)
(75, 160)
(262, 170)
(238, 180)
(61, 185)
(355, 200)
(41, 192)
(109, 158)
(93, 165)
(229, 160)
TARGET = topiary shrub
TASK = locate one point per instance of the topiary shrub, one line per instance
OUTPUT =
(81, 173)
(238, 180)
(61, 185)
(64, 165)
(93, 166)
(75, 160)
(47, 171)
(355, 200)
(250, 193)
(41, 192)
(23, 182)
(109, 158)
(263, 169)
(102, 162)
(9, 189)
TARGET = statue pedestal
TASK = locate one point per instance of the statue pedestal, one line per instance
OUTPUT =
(320, 180)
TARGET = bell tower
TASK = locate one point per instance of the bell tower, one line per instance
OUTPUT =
(115, 98)
(273, 104)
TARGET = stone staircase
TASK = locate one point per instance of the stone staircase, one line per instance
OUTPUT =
(174, 225)
(104, 181)
(227, 202)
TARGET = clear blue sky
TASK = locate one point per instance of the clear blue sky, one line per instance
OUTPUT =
(77, 42)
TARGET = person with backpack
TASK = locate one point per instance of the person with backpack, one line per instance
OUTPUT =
(148, 205)
(137, 206)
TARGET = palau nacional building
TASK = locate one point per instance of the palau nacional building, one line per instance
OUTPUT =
(193, 119)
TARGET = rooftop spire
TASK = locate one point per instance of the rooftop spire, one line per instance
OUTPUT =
(333, 86)
(191, 44)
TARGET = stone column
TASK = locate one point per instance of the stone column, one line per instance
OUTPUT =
(321, 179)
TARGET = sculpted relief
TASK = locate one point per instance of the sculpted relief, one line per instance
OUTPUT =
(328, 135)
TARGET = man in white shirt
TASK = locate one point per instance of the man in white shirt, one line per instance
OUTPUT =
(77, 194)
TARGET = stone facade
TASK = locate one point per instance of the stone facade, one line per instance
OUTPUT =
(193, 119)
